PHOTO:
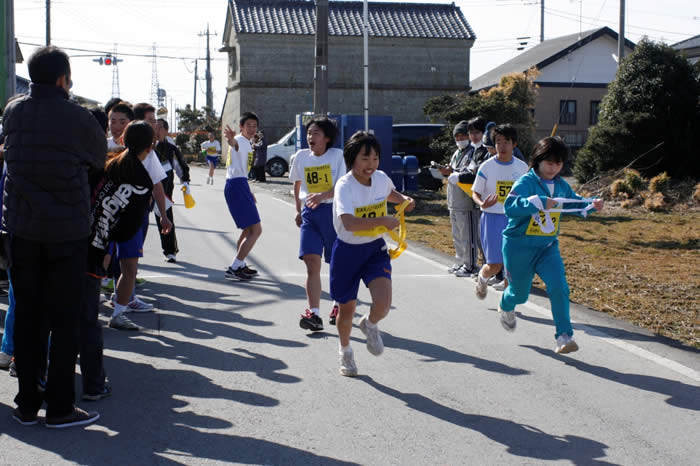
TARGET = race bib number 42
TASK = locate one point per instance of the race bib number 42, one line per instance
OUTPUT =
(371, 211)
(534, 229)
(502, 190)
(318, 179)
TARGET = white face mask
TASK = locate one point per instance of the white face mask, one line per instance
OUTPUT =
(462, 144)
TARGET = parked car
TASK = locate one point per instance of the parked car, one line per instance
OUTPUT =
(280, 153)
(415, 139)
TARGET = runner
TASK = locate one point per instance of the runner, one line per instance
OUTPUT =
(213, 149)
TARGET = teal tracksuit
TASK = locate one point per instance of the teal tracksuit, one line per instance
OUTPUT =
(528, 251)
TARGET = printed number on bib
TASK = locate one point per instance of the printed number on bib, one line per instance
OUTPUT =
(250, 159)
(371, 211)
(211, 150)
(533, 229)
(502, 189)
(318, 179)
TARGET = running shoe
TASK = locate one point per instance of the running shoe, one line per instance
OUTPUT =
(236, 275)
(565, 344)
(348, 368)
(136, 305)
(249, 271)
(333, 315)
(122, 322)
(24, 419)
(375, 345)
(499, 286)
(454, 268)
(170, 258)
(77, 417)
(104, 393)
(481, 289)
(311, 321)
(508, 320)
(463, 272)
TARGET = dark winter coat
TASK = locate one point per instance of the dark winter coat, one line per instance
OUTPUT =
(168, 153)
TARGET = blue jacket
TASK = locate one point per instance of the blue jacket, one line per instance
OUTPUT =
(519, 210)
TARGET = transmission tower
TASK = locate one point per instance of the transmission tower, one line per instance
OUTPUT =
(115, 74)
(154, 79)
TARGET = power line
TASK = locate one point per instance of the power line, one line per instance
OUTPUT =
(123, 54)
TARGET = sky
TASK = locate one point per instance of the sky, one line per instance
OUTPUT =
(175, 27)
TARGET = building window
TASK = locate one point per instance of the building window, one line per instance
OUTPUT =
(232, 63)
(567, 112)
(595, 110)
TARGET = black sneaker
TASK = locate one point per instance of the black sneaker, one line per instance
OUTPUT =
(237, 275)
(333, 315)
(104, 393)
(311, 321)
(249, 271)
(24, 419)
(77, 417)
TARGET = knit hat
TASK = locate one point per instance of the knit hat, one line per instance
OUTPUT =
(486, 140)
(460, 128)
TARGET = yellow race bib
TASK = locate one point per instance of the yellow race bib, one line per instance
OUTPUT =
(318, 179)
(503, 189)
(533, 229)
(250, 159)
(211, 150)
(228, 158)
(371, 211)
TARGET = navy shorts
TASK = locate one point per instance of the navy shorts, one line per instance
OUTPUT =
(351, 263)
(241, 203)
(213, 159)
(133, 248)
(317, 231)
(491, 228)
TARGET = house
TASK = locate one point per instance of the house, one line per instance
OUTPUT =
(23, 88)
(575, 71)
(690, 47)
(416, 51)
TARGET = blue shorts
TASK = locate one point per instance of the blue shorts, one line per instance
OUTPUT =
(317, 231)
(132, 248)
(213, 159)
(241, 203)
(491, 228)
(351, 263)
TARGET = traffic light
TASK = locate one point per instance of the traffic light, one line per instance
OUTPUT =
(107, 60)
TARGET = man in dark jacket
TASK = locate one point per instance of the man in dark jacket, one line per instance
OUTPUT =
(169, 156)
(51, 143)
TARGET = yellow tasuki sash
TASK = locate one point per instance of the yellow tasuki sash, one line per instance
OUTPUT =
(399, 237)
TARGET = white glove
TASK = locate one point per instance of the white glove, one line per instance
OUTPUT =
(453, 178)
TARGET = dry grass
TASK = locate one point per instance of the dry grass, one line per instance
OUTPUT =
(635, 265)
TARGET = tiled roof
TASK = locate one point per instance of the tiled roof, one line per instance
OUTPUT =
(688, 43)
(418, 20)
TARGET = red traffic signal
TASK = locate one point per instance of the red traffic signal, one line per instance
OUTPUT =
(108, 60)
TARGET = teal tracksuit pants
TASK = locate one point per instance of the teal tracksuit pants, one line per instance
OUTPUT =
(522, 262)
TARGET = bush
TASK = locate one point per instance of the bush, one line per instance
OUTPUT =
(660, 183)
(696, 193)
(634, 180)
(656, 203)
(620, 188)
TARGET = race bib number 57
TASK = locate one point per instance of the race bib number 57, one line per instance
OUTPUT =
(502, 190)
(371, 211)
(318, 179)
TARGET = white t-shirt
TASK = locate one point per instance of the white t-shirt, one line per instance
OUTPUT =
(238, 162)
(111, 145)
(153, 167)
(212, 148)
(496, 177)
(359, 200)
(317, 174)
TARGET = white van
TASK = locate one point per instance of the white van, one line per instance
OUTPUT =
(279, 154)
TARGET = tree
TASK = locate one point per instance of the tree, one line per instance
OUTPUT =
(653, 101)
(509, 102)
(195, 124)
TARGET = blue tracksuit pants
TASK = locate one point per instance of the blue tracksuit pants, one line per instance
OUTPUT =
(522, 263)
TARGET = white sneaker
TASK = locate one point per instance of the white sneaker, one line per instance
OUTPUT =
(565, 344)
(122, 322)
(138, 306)
(5, 360)
(482, 288)
(348, 367)
(508, 320)
(454, 268)
(499, 286)
(462, 272)
(375, 345)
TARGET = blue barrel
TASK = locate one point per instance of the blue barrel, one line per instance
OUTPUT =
(410, 172)
(397, 171)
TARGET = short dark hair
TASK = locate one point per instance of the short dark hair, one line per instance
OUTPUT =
(248, 116)
(476, 124)
(506, 130)
(141, 109)
(138, 137)
(164, 122)
(101, 118)
(111, 103)
(47, 64)
(327, 126)
(553, 149)
(359, 140)
(123, 107)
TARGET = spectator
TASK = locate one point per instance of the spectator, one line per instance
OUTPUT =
(260, 157)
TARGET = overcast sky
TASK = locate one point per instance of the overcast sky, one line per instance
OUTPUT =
(174, 25)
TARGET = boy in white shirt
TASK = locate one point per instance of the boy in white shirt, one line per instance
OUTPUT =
(315, 172)
(239, 198)
(213, 149)
(359, 252)
(493, 182)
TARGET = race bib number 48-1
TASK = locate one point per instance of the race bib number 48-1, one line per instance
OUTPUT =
(502, 190)
(318, 179)
(371, 211)
(534, 229)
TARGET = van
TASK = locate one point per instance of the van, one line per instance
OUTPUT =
(415, 139)
(279, 154)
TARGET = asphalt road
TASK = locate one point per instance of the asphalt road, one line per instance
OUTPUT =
(224, 374)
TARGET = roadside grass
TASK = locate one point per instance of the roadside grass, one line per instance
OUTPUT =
(638, 266)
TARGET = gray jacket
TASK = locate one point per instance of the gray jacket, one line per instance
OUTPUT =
(50, 144)
(465, 160)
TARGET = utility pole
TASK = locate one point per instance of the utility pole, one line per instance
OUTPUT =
(115, 73)
(365, 46)
(621, 35)
(541, 21)
(210, 94)
(321, 54)
(8, 56)
(194, 99)
(154, 79)
(48, 22)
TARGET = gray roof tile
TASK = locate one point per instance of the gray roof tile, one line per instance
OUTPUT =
(688, 43)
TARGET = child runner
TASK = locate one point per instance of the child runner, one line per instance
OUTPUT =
(530, 243)
(213, 149)
(314, 172)
(239, 198)
(359, 252)
(491, 187)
